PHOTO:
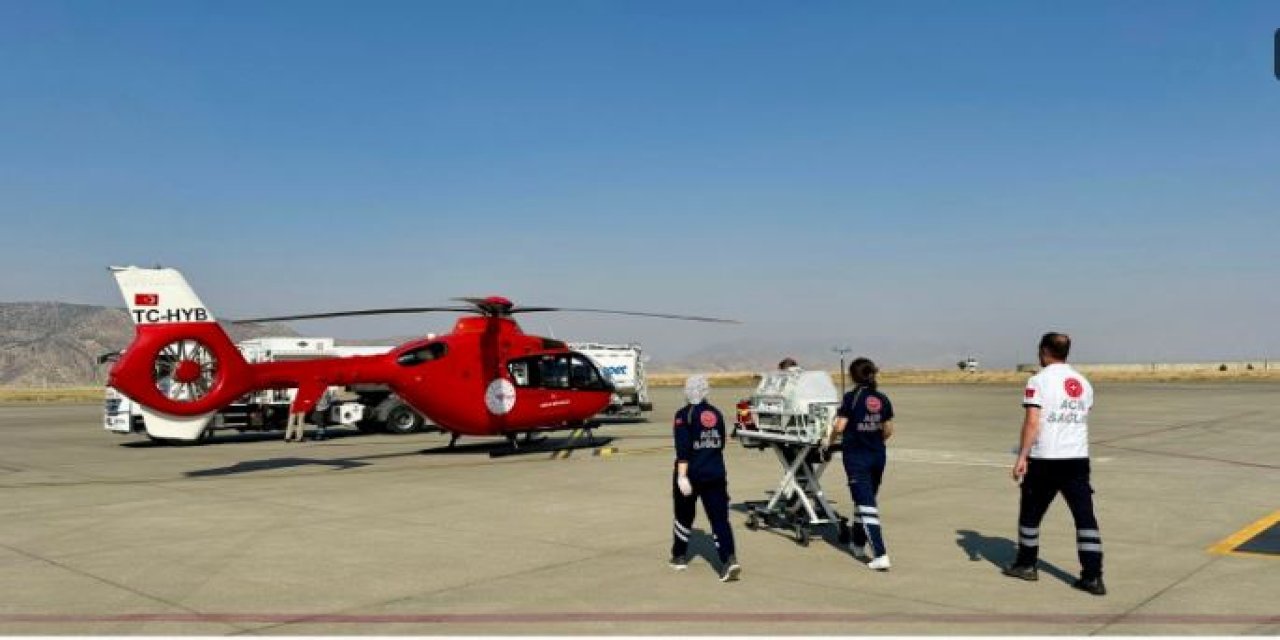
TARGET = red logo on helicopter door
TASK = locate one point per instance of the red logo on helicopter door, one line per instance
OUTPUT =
(874, 405)
(146, 299)
(708, 420)
(1074, 388)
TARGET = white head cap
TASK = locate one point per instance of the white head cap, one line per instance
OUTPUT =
(696, 388)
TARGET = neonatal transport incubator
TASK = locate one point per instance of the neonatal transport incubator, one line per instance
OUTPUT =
(792, 413)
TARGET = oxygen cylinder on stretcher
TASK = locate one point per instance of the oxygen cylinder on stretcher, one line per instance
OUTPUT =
(744, 420)
(744, 425)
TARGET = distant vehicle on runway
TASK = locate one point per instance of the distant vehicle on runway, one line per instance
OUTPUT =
(485, 378)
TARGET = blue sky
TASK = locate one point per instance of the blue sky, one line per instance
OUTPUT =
(918, 179)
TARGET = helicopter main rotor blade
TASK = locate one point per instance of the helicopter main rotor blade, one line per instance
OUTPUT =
(493, 307)
(360, 312)
(642, 314)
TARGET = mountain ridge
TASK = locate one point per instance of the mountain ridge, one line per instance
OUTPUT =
(46, 344)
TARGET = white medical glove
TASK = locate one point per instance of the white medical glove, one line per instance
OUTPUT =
(686, 487)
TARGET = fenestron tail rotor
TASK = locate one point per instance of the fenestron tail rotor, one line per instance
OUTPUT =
(185, 370)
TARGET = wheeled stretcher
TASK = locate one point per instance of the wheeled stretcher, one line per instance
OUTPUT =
(791, 413)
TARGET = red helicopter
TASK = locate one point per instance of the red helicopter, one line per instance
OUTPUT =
(485, 378)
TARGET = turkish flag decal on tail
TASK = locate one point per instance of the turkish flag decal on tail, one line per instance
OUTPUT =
(146, 299)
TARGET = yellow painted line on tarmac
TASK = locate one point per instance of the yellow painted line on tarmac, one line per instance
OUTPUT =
(615, 452)
(563, 454)
(603, 451)
(1227, 546)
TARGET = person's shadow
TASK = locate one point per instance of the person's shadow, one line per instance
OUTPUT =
(702, 545)
(1001, 552)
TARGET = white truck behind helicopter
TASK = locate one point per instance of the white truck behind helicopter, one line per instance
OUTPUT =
(623, 364)
(369, 408)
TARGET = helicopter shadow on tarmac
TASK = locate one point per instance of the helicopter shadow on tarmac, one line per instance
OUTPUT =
(284, 462)
(488, 447)
(1000, 551)
(503, 448)
(470, 448)
(270, 464)
(238, 438)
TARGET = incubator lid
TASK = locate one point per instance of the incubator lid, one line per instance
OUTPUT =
(797, 388)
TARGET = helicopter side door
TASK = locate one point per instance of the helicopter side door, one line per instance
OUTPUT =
(551, 383)
(589, 389)
(542, 385)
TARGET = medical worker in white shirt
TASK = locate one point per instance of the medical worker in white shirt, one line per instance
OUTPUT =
(1053, 458)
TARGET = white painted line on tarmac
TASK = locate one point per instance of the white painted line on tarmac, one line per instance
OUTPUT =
(934, 456)
(961, 458)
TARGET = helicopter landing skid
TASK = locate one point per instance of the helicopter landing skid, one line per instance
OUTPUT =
(550, 445)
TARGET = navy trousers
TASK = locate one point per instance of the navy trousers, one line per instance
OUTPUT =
(1045, 479)
(715, 501)
(865, 470)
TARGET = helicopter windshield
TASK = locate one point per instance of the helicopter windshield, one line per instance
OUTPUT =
(557, 371)
(583, 374)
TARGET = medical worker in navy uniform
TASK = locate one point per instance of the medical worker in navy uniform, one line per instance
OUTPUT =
(863, 423)
(700, 474)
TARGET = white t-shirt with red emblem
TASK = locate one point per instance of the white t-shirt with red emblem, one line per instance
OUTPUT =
(1065, 398)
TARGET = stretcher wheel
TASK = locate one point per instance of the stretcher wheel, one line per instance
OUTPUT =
(752, 522)
(845, 534)
(802, 536)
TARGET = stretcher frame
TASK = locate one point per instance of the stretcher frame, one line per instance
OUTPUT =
(799, 502)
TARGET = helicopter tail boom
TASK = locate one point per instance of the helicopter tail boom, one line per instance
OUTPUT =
(182, 367)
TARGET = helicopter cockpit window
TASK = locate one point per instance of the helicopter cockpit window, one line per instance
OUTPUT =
(555, 372)
(520, 373)
(546, 372)
(433, 351)
(584, 375)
